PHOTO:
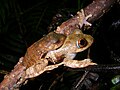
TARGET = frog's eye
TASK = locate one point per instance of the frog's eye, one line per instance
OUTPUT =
(81, 43)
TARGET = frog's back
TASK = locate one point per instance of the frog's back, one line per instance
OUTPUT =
(37, 50)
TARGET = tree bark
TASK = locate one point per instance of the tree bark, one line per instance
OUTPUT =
(97, 8)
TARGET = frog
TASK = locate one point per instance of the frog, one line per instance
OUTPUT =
(63, 55)
(55, 48)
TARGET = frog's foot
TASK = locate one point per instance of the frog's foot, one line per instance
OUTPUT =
(78, 64)
(51, 56)
(83, 19)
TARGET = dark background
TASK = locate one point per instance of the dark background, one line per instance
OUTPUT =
(26, 21)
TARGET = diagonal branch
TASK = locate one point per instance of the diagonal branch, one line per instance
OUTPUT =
(97, 8)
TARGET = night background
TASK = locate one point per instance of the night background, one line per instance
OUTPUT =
(26, 21)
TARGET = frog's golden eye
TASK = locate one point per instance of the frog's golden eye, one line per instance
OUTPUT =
(81, 43)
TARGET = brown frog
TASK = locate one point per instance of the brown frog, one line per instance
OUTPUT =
(56, 48)
(74, 43)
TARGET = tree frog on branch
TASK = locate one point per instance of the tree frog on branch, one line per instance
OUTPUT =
(63, 55)
(59, 47)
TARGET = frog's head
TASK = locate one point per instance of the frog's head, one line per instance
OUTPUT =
(80, 41)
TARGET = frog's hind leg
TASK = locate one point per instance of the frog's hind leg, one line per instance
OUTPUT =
(36, 69)
(40, 68)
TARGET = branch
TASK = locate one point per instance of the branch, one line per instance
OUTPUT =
(97, 8)
(99, 68)
(10, 80)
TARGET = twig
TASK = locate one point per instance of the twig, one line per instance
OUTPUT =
(83, 77)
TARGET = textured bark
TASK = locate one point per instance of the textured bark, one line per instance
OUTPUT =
(97, 8)
(10, 80)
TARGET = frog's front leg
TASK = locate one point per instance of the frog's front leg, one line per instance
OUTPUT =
(78, 63)
(83, 19)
